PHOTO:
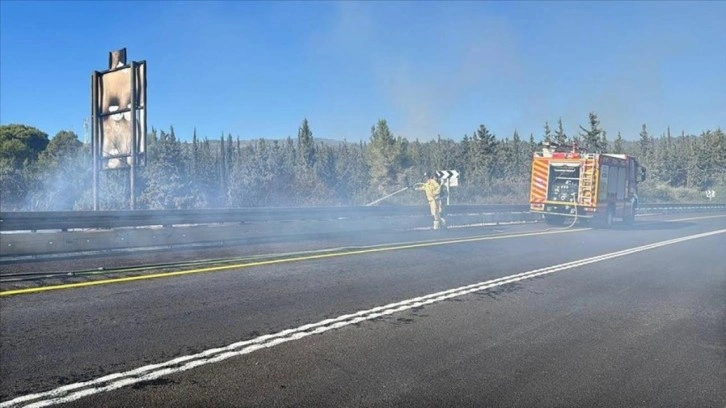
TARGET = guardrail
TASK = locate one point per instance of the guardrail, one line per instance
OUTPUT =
(681, 207)
(37, 234)
(67, 220)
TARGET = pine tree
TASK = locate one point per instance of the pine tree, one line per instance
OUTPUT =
(712, 156)
(547, 133)
(305, 145)
(480, 164)
(387, 159)
(351, 174)
(205, 179)
(560, 136)
(223, 175)
(314, 169)
(166, 178)
(618, 144)
(195, 153)
(645, 143)
(696, 165)
(592, 138)
(229, 152)
(517, 159)
(485, 144)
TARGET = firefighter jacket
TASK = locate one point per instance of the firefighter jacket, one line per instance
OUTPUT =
(432, 189)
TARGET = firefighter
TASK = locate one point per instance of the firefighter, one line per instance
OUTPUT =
(432, 188)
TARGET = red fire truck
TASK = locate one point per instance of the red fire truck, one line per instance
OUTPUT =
(569, 183)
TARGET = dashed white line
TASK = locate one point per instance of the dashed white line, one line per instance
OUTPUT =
(115, 381)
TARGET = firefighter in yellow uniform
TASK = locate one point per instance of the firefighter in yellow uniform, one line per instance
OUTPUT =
(432, 188)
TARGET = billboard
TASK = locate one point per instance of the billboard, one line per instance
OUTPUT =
(120, 106)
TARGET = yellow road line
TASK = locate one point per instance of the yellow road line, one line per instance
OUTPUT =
(279, 261)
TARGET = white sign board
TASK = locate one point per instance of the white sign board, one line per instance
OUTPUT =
(448, 177)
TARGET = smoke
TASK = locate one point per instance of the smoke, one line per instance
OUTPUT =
(427, 97)
(443, 69)
(653, 63)
(425, 77)
(635, 81)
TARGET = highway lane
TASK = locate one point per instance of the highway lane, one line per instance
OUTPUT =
(270, 238)
(487, 346)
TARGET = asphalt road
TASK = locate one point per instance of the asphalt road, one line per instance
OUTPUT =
(516, 317)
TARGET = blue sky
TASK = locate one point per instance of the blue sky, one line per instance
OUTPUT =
(256, 69)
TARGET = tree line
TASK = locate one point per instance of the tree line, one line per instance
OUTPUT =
(42, 174)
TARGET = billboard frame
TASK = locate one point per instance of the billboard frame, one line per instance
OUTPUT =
(137, 116)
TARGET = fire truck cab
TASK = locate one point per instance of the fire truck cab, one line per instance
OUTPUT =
(569, 183)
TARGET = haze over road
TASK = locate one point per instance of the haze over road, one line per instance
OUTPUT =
(518, 316)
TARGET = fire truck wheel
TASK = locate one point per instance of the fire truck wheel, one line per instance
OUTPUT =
(630, 218)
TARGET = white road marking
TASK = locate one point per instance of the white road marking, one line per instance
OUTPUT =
(696, 218)
(115, 381)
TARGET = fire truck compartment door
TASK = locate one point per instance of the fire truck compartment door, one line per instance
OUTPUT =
(622, 173)
(612, 182)
(604, 173)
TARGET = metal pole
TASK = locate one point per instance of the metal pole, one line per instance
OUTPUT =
(448, 192)
(144, 113)
(94, 136)
(134, 143)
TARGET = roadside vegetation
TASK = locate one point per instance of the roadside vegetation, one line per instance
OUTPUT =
(38, 173)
